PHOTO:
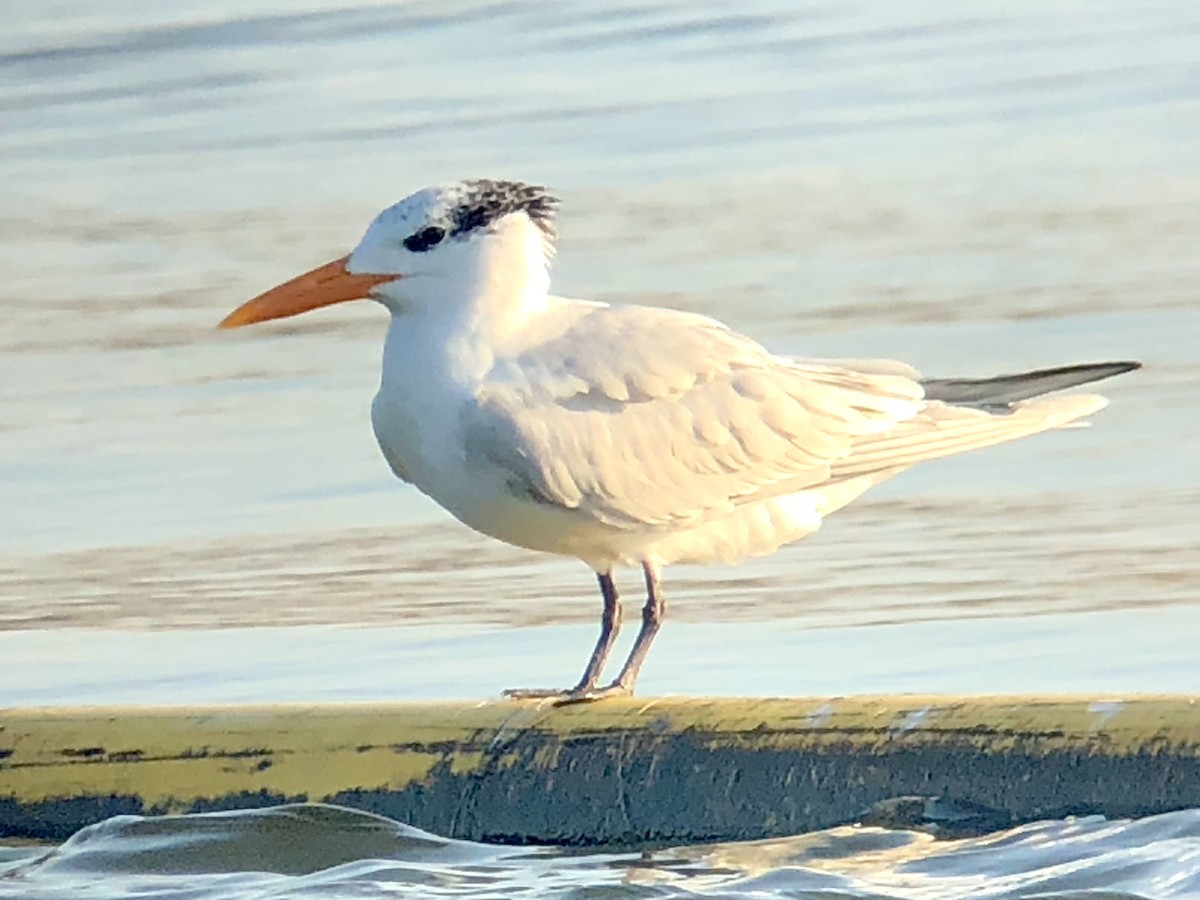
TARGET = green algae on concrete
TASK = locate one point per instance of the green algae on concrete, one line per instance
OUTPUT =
(621, 771)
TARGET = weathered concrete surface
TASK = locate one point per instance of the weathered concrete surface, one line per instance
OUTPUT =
(622, 771)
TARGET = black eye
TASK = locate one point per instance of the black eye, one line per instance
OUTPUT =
(425, 239)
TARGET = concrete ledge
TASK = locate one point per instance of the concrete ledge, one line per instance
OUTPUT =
(670, 770)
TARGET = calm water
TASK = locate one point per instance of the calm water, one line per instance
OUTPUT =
(970, 188)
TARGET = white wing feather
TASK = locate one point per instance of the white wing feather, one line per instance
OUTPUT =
(643, 417)
(698, 443)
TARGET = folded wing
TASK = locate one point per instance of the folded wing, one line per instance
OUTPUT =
(640, 417)
(643, 417)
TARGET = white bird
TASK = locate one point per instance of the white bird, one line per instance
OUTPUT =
(626, 434)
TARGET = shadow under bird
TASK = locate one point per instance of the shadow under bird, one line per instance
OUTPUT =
(626, 435)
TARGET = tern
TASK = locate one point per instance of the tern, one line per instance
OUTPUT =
(625, 434)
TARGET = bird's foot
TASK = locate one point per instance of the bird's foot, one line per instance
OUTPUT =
(535, 693)
(588, 695)
(579, 694)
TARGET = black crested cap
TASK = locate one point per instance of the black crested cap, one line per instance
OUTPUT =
(481, 201)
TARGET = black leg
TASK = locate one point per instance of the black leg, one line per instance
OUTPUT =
(610, 624)
(652, 616)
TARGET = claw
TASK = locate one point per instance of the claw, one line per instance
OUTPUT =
(534, 693)
(569, 697)
(589, 695)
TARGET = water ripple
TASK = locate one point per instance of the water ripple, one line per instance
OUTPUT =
(324, 851)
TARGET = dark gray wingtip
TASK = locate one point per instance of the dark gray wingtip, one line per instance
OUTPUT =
(1105, 369)
(1003, 390)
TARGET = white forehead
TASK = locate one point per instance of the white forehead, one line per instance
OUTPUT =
(465, 207)
(412, 212)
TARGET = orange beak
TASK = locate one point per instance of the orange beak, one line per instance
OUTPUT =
(323, 286)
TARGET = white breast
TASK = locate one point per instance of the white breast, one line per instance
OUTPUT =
(426, 393)
(426, 449)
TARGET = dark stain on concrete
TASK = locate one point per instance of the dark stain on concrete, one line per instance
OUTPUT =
(645, 789)
(642, 788)
(58, 819)
(125, 756)
(83, 752)
(207, 753)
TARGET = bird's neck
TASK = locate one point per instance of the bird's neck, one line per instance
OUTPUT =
(504, 284)
(503, 300)
(462, 337)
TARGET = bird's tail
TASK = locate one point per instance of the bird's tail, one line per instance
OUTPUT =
(945, 429)
(999, 393)
(967, 414)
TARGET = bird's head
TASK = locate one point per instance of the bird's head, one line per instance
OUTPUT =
(439, 245)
